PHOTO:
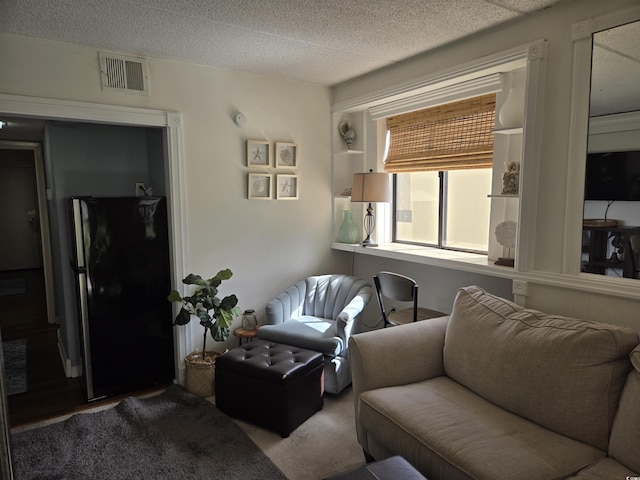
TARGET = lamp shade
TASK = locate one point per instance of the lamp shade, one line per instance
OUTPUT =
(371, 187)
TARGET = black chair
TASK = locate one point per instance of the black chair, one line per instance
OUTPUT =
(398, 288)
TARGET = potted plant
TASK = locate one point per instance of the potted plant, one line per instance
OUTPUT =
(215, 316)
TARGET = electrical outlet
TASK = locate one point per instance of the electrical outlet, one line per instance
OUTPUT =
(139, 189)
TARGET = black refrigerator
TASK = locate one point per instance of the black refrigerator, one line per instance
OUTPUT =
(120, 259)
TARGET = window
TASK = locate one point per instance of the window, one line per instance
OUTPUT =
(447, 209)
(442, 159)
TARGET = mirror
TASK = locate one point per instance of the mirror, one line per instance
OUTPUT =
(611, 216)
(615, 71)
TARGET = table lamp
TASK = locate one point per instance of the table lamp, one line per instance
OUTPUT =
(370, 187)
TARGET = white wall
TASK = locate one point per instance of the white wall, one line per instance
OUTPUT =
(267, 244)
(547, 235)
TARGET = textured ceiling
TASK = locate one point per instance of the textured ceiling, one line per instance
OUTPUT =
(323, 42)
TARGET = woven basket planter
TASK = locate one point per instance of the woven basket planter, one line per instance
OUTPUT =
(199, 373)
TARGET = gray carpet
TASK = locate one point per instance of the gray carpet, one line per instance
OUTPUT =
(15, 366)
(174, 435)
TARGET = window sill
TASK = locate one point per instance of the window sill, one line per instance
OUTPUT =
(463, 261)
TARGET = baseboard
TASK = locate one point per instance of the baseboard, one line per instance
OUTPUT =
(70, 371)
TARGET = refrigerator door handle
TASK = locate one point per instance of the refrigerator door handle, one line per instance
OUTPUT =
(84, 315)
(77, 230)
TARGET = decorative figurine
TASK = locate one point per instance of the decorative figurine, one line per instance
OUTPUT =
(511, 178)
(506, 236)
(347, 133)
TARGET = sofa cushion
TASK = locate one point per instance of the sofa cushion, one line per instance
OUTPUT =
(624, 444)
(446, 431)
(556, 371)
(312, 333)
(606, 469)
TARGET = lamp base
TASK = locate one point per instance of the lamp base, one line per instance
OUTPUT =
(368, 242)
(507, 262)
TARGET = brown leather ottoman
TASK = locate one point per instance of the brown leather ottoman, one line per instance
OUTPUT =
(270, 384)
(392, 468)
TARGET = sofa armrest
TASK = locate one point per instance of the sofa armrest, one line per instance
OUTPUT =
(397, 355)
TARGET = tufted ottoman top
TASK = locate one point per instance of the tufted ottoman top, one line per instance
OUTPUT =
(262, 359)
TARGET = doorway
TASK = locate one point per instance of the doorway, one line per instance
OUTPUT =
(169, 124)
(27, 312)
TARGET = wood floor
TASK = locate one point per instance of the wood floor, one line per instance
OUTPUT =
(49, 391)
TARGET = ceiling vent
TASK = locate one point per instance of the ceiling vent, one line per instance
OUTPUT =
(124, 74)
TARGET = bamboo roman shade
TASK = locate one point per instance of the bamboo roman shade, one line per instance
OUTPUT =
(453, 136)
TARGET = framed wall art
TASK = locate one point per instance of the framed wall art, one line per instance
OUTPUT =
(286, 187)
(259, 187)
(286, 155)
(258, 153)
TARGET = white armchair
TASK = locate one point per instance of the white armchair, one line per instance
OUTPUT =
(319, 314)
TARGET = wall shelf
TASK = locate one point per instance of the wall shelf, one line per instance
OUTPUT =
(508, 131)
(349, 152)
(503, 195)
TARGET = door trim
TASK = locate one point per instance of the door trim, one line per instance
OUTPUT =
(54, 109)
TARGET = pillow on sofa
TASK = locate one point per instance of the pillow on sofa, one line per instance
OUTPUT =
(564, 374)
(624, 445)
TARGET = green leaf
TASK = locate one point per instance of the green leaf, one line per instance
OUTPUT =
(203, 315)
(192, 279)
(219, 334)
(174, 296)
(192, 299)
(183, 317)
(225, 274)
(225, 318)
(229, 302)
(208, 291)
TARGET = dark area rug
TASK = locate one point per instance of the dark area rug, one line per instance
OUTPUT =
(12, 286)
(172, 435)
(14, 354)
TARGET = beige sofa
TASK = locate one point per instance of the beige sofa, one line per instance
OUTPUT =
(496, 392)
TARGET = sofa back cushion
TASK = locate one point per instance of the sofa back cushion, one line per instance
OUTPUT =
(564, 374)
(624, 444)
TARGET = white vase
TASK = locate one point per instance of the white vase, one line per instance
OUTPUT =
(511, 112)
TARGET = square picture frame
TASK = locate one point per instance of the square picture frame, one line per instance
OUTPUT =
(259, 186)
(286, 155)
(258, 153)
(287, 187)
